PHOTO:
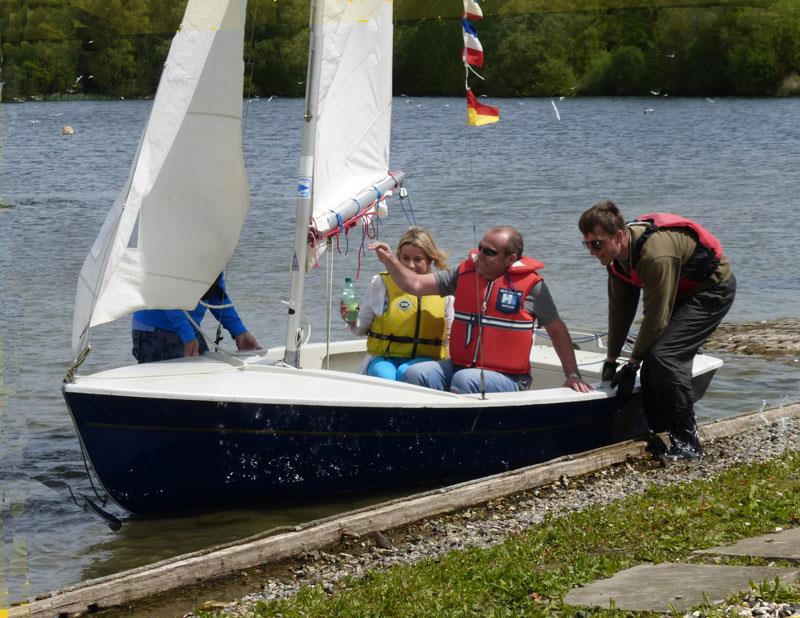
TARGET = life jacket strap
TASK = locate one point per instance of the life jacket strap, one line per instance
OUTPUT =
(399, 339)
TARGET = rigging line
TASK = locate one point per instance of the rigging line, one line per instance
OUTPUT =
(69, 378)
(329, 292)
(474, 72)
(195, 324)
(113, 522)
(370, 229)
(362, 251)
(405, 195)
(104, 499)
(479, 304)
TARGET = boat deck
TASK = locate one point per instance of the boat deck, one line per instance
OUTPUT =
(335, 374)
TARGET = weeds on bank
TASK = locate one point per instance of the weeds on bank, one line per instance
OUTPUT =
(529, 574)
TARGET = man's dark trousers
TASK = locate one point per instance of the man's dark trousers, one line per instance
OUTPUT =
(667, 366)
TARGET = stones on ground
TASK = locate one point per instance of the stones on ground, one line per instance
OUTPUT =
(751, 606)
(382, 540)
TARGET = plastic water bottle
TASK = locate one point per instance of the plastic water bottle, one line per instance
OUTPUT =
(350, 300)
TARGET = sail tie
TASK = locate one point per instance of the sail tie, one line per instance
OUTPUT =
(341, 230)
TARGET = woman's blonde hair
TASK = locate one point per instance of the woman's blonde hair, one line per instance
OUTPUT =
(420, 237)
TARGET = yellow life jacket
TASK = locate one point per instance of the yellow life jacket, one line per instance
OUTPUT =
(412, 326)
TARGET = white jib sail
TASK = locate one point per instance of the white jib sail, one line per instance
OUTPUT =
(354, 106)
(177, 221)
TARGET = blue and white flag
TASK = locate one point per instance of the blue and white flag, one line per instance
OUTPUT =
(473, 51)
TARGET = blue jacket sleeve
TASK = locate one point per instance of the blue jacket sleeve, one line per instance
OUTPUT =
(228, 317)
(180, 324)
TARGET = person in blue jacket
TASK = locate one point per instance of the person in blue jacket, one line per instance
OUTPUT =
(161, 334)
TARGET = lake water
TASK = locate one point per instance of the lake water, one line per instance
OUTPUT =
(732, 164)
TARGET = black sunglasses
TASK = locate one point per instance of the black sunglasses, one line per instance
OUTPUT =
(595, 244)
(487, 251)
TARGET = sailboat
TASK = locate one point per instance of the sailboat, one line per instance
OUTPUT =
(299, 420)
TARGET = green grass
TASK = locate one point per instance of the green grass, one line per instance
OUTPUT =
(529, 574)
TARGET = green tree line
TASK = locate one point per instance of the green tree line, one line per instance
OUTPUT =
(116, 48)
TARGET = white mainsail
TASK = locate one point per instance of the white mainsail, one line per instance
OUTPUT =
(177, 221)
(345, 156)
(353, 107)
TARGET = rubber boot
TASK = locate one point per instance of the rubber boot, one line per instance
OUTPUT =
(684, 442)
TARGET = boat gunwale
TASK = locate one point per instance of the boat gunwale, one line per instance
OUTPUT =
(390, 394)
(416, 396)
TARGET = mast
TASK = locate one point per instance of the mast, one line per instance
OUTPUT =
(305, 188)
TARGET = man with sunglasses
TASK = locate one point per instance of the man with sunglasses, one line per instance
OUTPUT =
(499, 296)
(687, 287)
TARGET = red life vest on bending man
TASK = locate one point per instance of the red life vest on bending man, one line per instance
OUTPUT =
(491, 328)
(698, 268)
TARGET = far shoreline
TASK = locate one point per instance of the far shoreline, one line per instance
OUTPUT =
(59, 97)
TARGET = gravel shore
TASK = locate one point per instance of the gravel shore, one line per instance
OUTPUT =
(492, 523)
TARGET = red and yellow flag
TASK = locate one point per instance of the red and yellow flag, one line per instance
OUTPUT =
(479, 114)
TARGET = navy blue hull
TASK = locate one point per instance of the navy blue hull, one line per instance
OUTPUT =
(156, 455)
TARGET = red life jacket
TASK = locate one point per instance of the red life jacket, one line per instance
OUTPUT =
(698, 268)
(491, 328)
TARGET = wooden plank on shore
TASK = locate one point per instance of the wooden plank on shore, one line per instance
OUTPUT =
(213, 563)
(726, 427)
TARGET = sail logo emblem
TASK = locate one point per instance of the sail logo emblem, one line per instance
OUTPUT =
(304, 187)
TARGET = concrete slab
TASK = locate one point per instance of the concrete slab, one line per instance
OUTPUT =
(784, 545)
(666, 586)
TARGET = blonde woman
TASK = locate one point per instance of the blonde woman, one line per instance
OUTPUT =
(403, 329)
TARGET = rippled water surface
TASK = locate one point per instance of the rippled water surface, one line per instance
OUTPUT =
(732, 164)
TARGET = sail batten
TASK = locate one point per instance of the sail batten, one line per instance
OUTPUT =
(177, 221)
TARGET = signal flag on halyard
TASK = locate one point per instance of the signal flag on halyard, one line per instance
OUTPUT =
(472, 10)
(479, 114)
(473, 51)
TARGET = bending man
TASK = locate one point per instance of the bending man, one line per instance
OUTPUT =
(499, 296)
(162, 334)
(687, 286)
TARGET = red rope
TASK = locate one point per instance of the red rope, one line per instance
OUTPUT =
(370, 232)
